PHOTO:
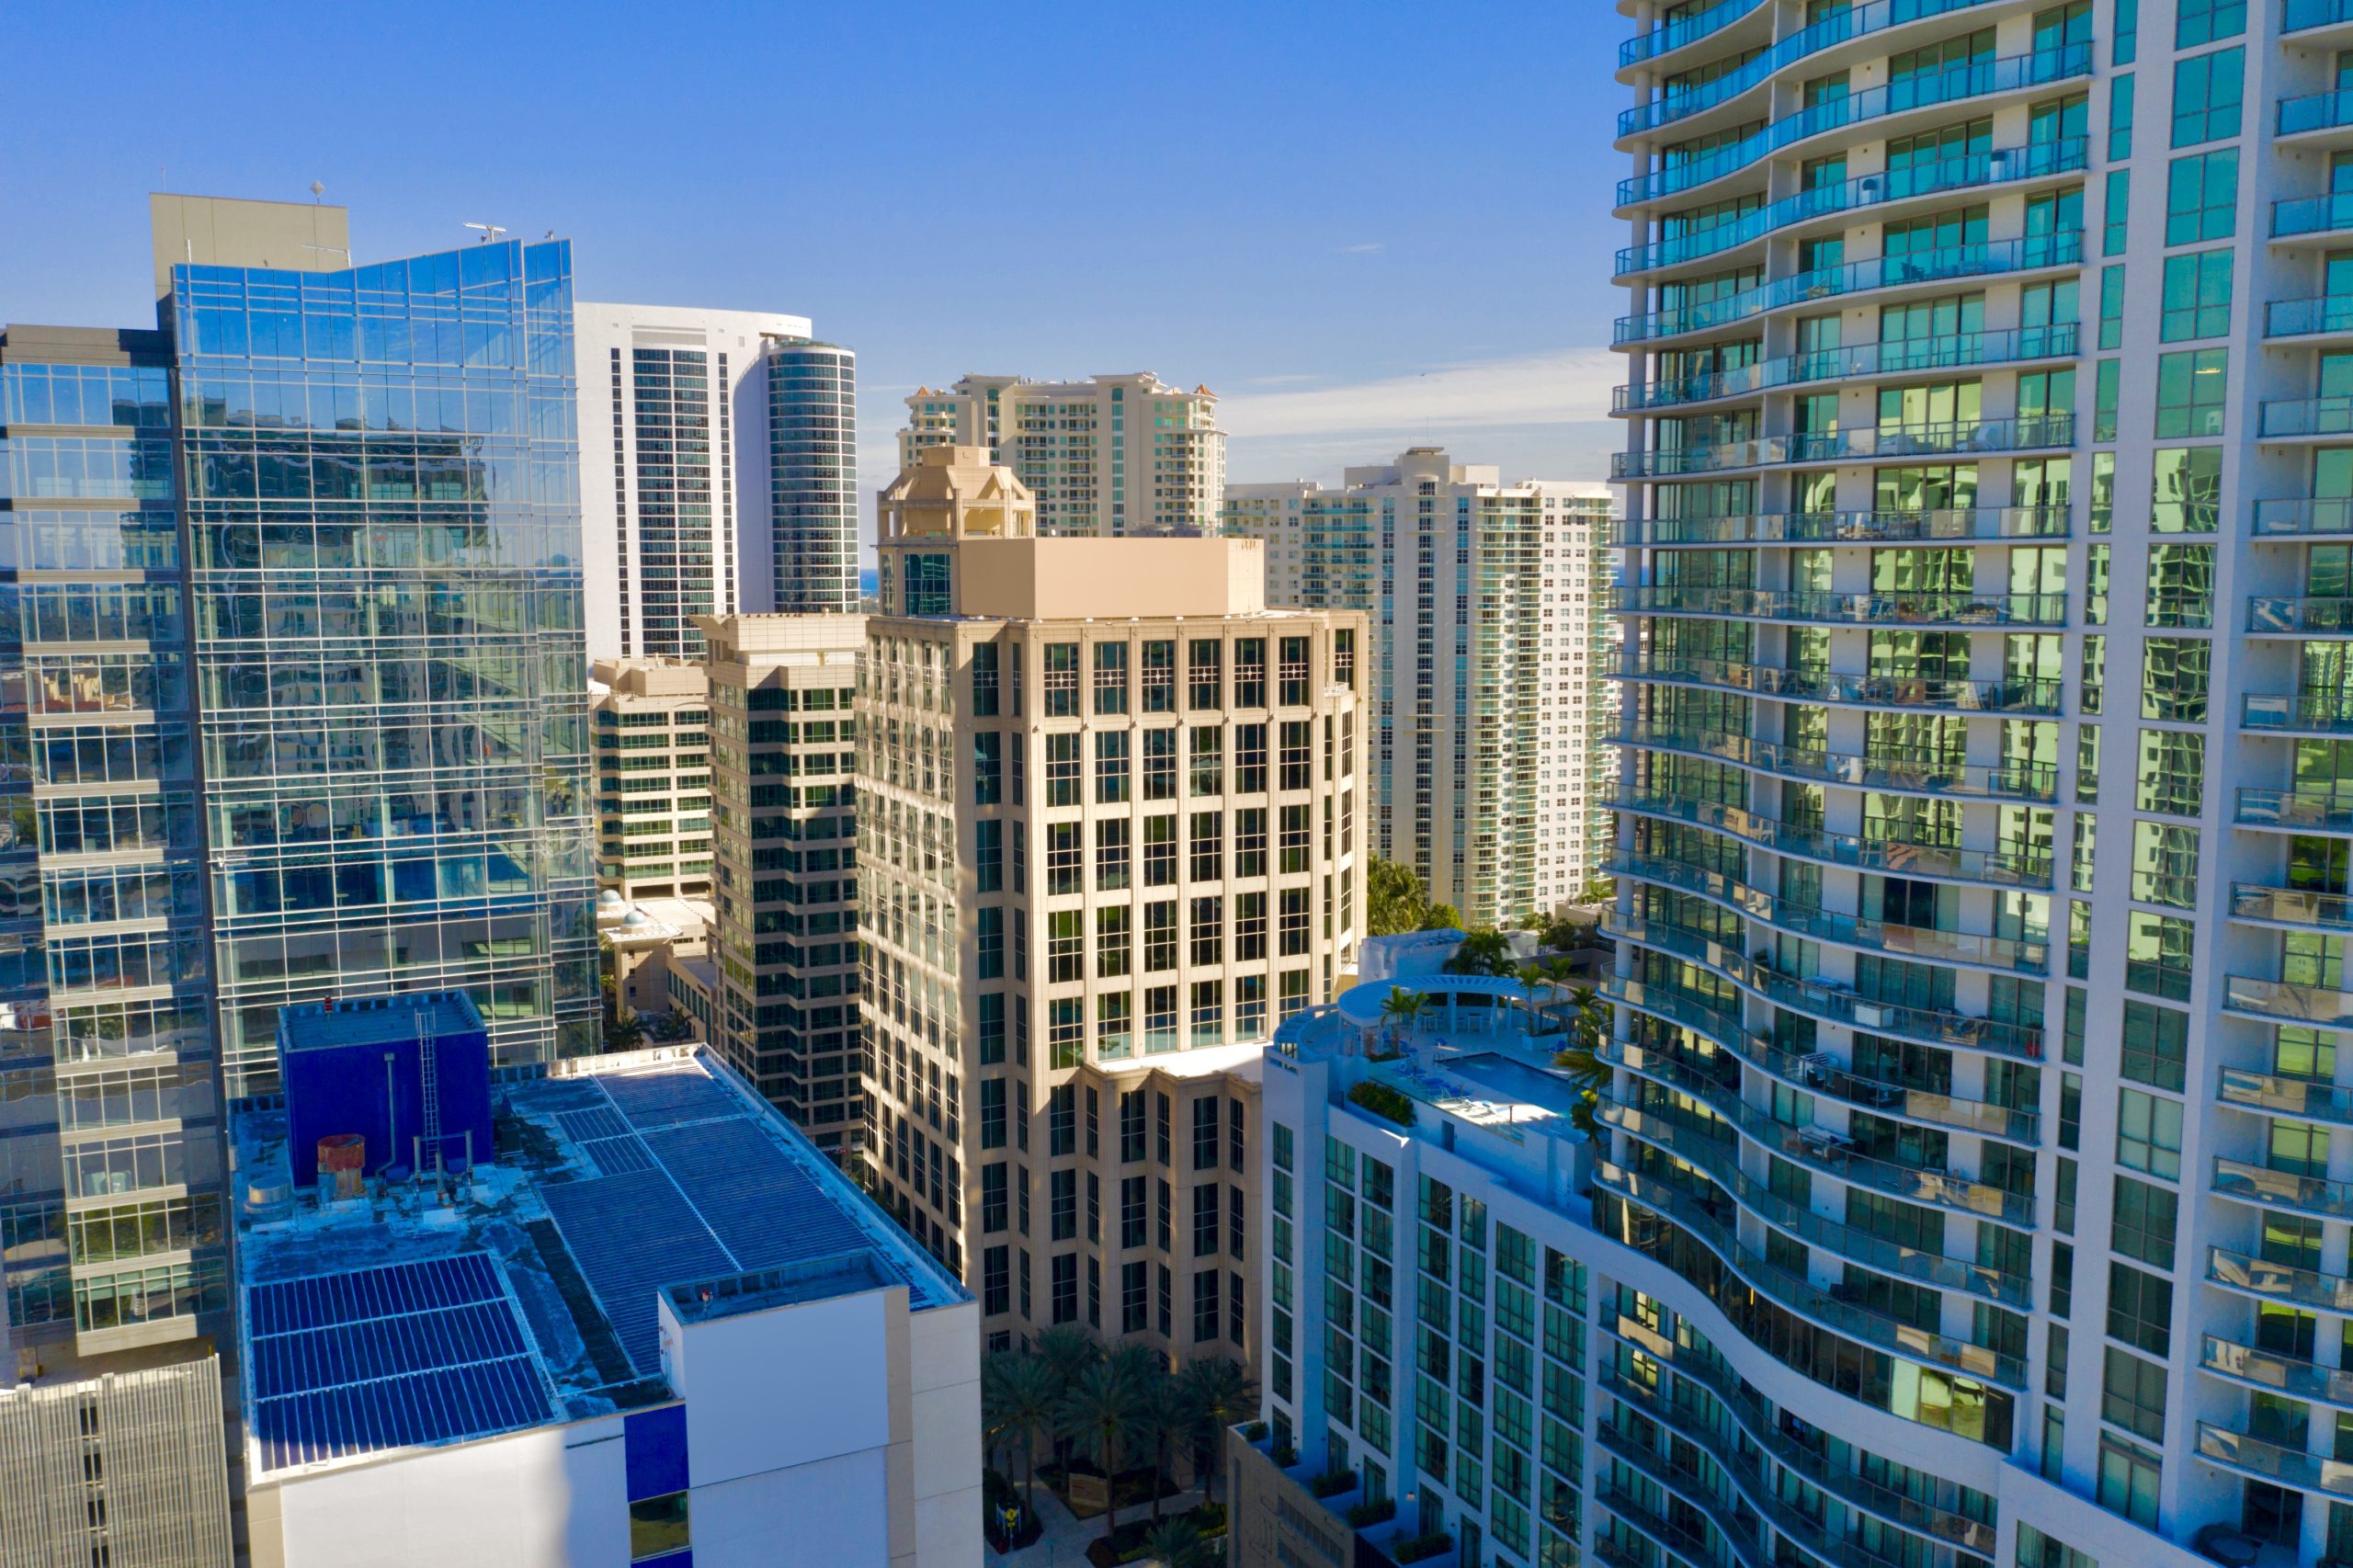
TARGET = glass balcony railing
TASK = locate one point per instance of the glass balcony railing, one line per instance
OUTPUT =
(1897, 357)
(2295, 1097)
(1885, 855)
(2295, 215)
(1956, 84)
(1847, 930)
(2287, 1467)
(2289, 417)
(2305, 318)
(2318, 712)
(2280, 1281)
(2328, 614)
(1989, 258)
(1686, 31)
(2031, 433)
(1738, 1533)
(2290, 1004)
(2315, 111)
(1852, 528)
(2041, 160)
(1801, 1295)
(1898, 608)
(2299, 15)
(1873, 15)
(2291, 906)
(2303, 516)
(2282, 1189)
(2284, 1374)
(2297, 810)
(2007, 781)
(1875, 691)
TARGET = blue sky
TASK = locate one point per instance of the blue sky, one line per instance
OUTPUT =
(1363, 225)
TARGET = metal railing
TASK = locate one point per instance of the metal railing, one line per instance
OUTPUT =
(1905, 356)
(1689, 31)
(1889, 857)
(1870, 691)
(2291, 906)
(1985, 258)
(1850, 528)
(2001, 781)
(1898, 608)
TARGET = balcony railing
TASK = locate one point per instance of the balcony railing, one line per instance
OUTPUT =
(2295, 215)
(1955, 84)
(2320, 713)
(2295, 1097)
(1801, 1295)
(2291, 906)
(1875, 691)
(2280, 1281)
(2299, 15)
(1895, 609)
(1989, 258)
(1917, 942)
(2321, 615)
(2283, 1466)
(2006, 782)
(2290, 1004)
(1851, 527)
(1871, 443)
(2294, 810)
(2298, 1379)
(2041, 160)
(1896, 357)
(1688, 31)
(2316, 111)
(2323, 516)
(2294, 417)
(1874, 16)
(1884, 856)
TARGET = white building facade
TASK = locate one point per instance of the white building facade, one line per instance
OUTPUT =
(1110, 455)
(718, 471)
(1980, 891)
(1488, 602)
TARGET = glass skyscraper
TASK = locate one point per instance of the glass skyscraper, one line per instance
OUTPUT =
(812, 468)
(384, 524)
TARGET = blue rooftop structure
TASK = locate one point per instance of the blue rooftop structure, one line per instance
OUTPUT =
(408, 1074)
(523, 1293)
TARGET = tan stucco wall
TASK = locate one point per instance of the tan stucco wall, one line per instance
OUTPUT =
(1048, 579)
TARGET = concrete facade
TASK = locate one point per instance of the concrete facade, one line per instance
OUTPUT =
(652, 724)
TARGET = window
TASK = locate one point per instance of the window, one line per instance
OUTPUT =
(1110, 854)
(1132, 1116)
(2130, 1477)
(1159, 668)
(2158, 951)
(1250, 843)
(992, 1113)
(988, 941)
(1250, 759)
(2207, 90)
(1205, 1134)
(2191, 388)
(1209, 932)
(2133, 1395)
(2202, 198)
(2148, 1133)
(996, 1282)
(2119, 118)
(1249, 927)
(2145, 1218)
(1209, 1013)
(1066, 945)
(988, 767)
(1250, 672)
(657, 1526)
(1066, 859)
(1205, 682)
(2035, 1549)
(1110, 766)
(1295, 840)
(1065, 1288)
(1160, 765)
(985, 681)
(1112, 1021)
(2187, 488)
(2115, 211)
(1134, 1304)
(2204, 21)
(1062, 1206)
(1208, 760)
(927, 583)
(988, 856)
(995, 1205)
(1205, 1217)
(1160, 936)
(1207, 843)
(2197, 296)
(1293, 931)
(1297, 761)
(1061, 1120)
(1061, 770)
(1205, 1317)
(1110, 677)
(2140, 1309)
(1062, 680)
(1160, 852)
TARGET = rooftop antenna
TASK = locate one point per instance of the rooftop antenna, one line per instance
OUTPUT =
(317, 190)
(489, 231)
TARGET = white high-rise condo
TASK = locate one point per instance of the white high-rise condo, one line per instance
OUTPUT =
(1107, 455)
(2000, 1157)
(719, 471)
(1489, 599)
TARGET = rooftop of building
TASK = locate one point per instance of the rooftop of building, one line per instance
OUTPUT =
(524, 1293)
(376, 1020)
(652, 676)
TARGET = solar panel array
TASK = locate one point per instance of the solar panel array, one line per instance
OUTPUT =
(421, 1352)
(598, 1121)
(699, 1191)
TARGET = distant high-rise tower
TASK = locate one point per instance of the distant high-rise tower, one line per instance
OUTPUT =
(718, 471)
(1110, 455)
(1485, 599)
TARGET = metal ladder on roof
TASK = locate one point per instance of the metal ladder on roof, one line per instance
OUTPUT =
(429, 1081)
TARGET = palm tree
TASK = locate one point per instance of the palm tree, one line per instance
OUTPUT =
(1180, 1544)
(1533, 979)
(1217, 1394)
(1582, 1058)
(1162, 1417)
(1068, 1350)
(1018, 1396)
(1099, 1414)
(1402, 1009)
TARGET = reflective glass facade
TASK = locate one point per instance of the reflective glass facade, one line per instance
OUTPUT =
(813, 463)
(381, 508)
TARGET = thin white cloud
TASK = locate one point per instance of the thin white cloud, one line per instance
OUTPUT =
(1293, 378)
(1366, 249)
(1569, 386)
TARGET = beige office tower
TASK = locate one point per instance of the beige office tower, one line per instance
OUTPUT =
(653, 746)
(785, 1014)
(1109, 812)
(1486, 676)
(1108, 456)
